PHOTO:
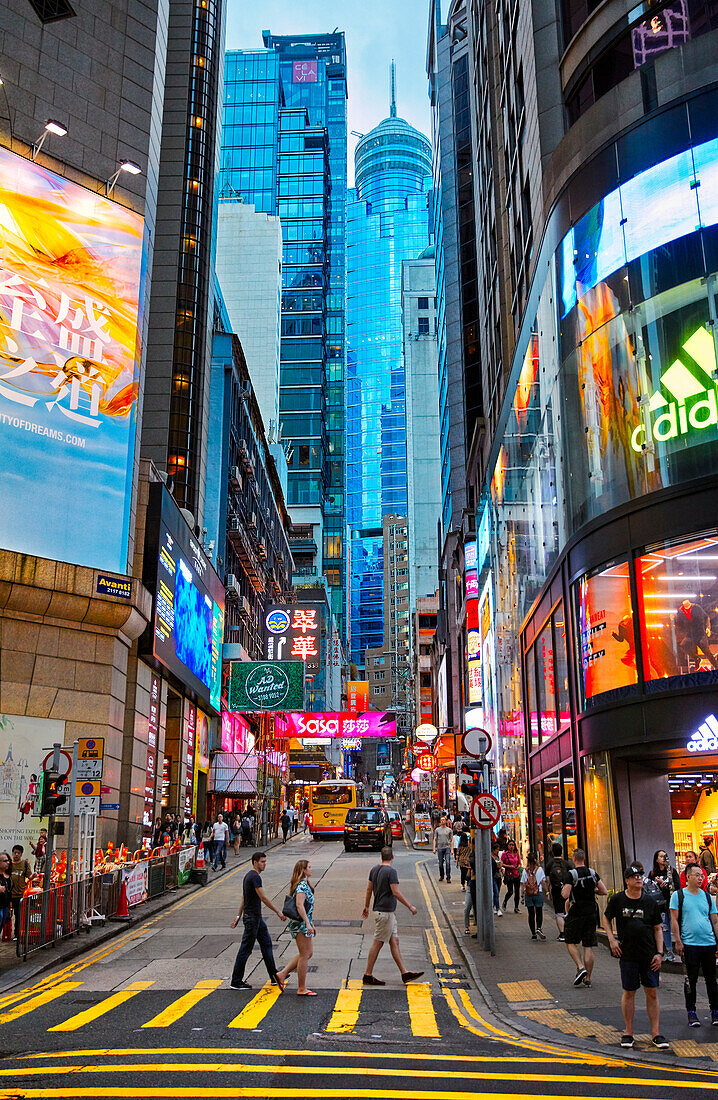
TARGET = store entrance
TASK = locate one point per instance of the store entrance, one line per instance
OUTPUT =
(694, 809)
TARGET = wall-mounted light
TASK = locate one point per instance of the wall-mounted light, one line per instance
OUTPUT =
(128, 166)
(52, 126)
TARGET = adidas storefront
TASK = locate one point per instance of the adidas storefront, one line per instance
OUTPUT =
(603, 502)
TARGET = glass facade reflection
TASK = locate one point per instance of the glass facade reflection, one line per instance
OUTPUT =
(387, 222)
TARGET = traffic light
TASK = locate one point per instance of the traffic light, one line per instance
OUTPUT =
(51, 797)
(470, 782)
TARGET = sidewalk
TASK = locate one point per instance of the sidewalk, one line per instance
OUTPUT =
(15, 972)
(530, 984)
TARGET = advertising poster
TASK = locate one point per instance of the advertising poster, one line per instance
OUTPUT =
(185, 863)
(266, 685)
(70, 278)
(488, 659)
(22, 749)
(357, 696)
(373, 723)
(294, 633)
(608, 648)
(137, 878)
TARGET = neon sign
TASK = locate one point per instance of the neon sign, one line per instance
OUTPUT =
(705, 739)
(678, 417)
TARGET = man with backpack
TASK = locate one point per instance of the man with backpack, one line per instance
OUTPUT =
(694, 923)
(557, 869)
(580, 925)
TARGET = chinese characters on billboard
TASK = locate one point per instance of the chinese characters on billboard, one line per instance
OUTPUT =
(372, 723)
(294, 633)
(70, 275)
(357, 696)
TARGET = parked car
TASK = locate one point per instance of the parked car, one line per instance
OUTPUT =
(366, 827)
(395, 823)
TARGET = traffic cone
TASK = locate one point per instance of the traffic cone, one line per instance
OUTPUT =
(123, 909)
(199, 862)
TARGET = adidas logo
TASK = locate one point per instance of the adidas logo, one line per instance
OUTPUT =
(705, 739)
(695, 404)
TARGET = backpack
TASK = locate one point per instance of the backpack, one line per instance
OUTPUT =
(557, 873)
(246, 823)
(653, 891)
(583, 884)
(531, 885)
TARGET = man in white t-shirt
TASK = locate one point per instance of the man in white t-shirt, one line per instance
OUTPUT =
(220, 836)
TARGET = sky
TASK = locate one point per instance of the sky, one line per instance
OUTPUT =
(376, 31)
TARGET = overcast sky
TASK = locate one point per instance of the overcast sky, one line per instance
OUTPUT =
(376, 31)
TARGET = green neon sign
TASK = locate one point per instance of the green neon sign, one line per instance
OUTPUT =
(695, 404)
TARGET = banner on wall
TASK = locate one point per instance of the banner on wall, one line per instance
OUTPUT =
(23, 745)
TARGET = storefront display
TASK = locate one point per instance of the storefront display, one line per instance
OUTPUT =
(608, 647)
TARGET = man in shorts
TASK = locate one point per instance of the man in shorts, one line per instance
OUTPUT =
(384, 885)
(582, 886)
(557, 869)
(639, 948)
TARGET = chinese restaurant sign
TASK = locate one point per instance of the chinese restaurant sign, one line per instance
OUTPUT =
(70, 275)
(266, 685)
(294, 633)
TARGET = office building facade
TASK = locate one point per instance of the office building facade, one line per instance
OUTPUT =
(593, 545)
(387, 222)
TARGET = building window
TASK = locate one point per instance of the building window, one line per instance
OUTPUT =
(423, 303)
(379, 690)
(49, 11)
(605, 634)
(423, 326)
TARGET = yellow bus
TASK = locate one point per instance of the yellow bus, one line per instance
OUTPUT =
(328, 805)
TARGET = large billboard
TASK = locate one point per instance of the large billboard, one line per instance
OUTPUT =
(70, 275)
(294, 633)
(266, 685)
(188, 617)
(373, 723)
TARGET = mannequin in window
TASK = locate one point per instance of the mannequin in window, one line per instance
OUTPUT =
(625, 634)
(691, 625)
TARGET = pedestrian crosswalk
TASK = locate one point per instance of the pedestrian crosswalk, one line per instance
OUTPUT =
(338, 1012)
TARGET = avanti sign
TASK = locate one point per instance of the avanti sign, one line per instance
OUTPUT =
(695, 404)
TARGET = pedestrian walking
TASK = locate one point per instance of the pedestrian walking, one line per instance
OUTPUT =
(694, 921)
(638, 946)
(470, 900)
(295, 820)
(246, 830)
(236, 833)
(462, 859)
(20, 875)
(496, 878)
(662, 881)
(442, 848)
(302, 930)
(456, 835)
(306, 820)
(511, 864)
(580, 925)
(285, 821)
(532, 880)
(384, 886)
(557, 868)
(39, 850)
(691, 859)
(706, 858)
(220, 838)
(255, 927)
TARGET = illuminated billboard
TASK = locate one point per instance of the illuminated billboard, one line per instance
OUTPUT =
(605, 618)
(266, 685)
(373, 723)
(188, 613)
(70, 277)
(294, 633)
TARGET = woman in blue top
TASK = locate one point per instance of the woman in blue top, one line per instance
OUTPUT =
(303, 930)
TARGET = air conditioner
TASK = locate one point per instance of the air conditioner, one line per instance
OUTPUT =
(253, 521)
(235, 477)
(234, 523)
(231, 585)
(246, 605)
(262, 549)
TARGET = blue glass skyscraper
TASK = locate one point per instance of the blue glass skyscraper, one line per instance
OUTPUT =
(387, 222)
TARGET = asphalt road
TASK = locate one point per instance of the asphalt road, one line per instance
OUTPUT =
(151, 1014)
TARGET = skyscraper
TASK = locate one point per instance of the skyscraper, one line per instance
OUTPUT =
(278, 103)
(387, 222)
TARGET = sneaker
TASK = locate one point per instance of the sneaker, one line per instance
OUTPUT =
(693, 1020)
(627, 1042)
(560, 938)
(411, 976)
(369, 979)
(587, 983)
(499, 912)
(540, 933)
(534, 936)
(580, 975)
(660, 1042)
(714, 1017)
(515, 910)
(240, 985)
(466, 931)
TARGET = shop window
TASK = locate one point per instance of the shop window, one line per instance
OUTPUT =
(561, 666)
(539, 840)
(606, 635)
(546, 682)
(553, 811)
(570, 824)
(603, 847)
(677, 586)
(534, 738)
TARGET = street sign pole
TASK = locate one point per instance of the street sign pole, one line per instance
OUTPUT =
(71, 834)
(489, 937)
(49, 850)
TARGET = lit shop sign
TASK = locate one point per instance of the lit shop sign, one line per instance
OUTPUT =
(471, 577)
(694, 392)
(705, 739)
(483, 543)
(294, 634)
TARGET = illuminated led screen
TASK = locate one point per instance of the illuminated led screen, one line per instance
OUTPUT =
(605, 615)
(662, 204)
(70, 275)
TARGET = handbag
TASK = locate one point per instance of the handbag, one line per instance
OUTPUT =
(289, 909)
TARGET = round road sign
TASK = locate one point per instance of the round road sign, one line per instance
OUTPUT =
(472, 742)
(485, 811)
(48, 761)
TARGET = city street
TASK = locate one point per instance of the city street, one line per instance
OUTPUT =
(151, 1013)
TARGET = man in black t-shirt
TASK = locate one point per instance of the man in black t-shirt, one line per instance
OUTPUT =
(581, 886)
(384, 885)
(639, 947)
(255, 928)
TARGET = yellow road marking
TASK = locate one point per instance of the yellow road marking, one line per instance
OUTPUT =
(37, 1002)
(421, 1010)
(254, 1012)
(524, 991)
(451, 1001)
(194, 1093)
(346, 1008)
(183, 1004)
(437, 931)
(102, 1008)
(432, 947)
